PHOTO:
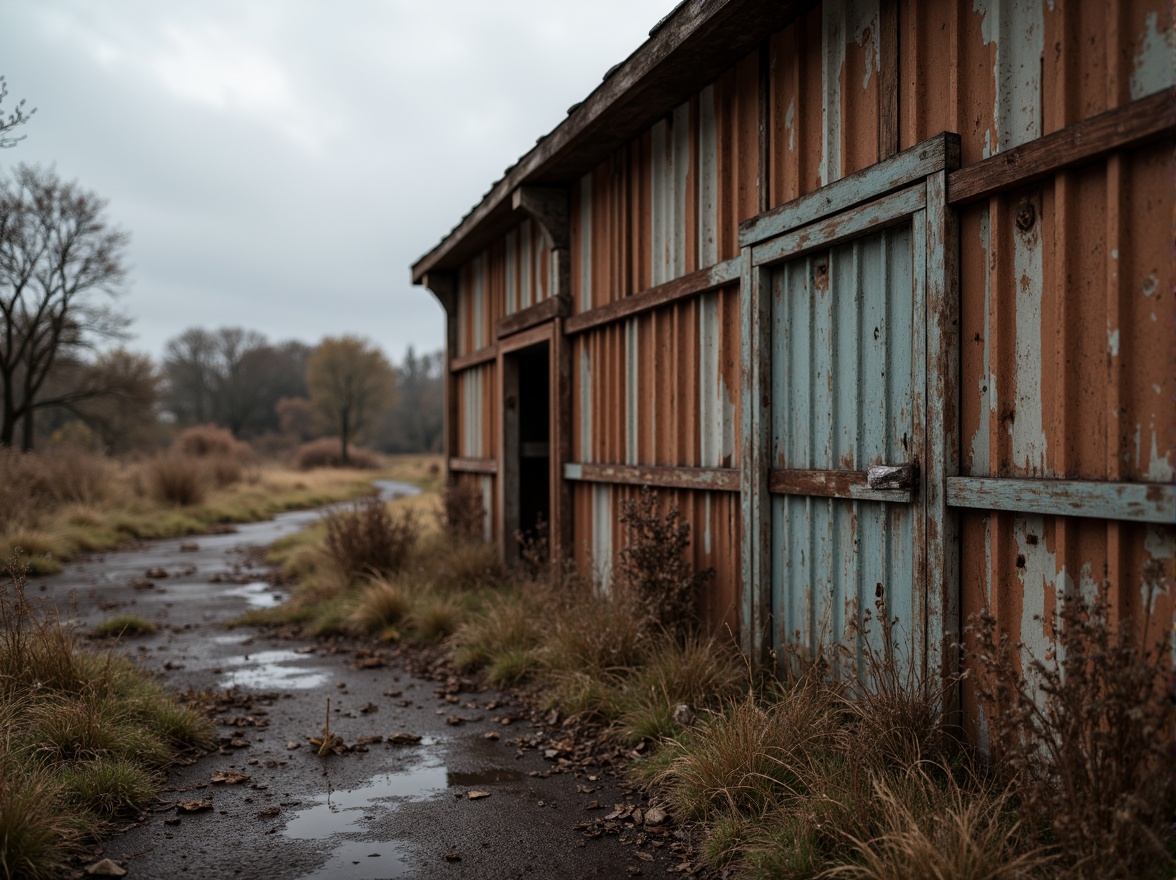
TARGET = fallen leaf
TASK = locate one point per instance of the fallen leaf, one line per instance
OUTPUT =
(369, 708)
(370, 663)
(453, 856)
(393, 693)
(404, 739)
(492, 734)
(193, 806)
(269, 812)
(292, 745)
(644, 856)
(307, 649)
(477, 795)
(454, 720)
(106, 868)
(228, 777)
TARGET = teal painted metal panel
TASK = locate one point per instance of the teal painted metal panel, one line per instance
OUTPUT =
(847, 371)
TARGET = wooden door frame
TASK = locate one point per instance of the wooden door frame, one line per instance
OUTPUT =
(892, 191)
(507, 485)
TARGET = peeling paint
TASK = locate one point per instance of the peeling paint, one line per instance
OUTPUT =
(1159, 469)
(1152, 69)
(790, 123)
(1150, 285)
(981, 454)
(708, 179)
(586, 242)
(1037, 570)
(586, 453)
(1017, 28)
(602, 523)
(1113, 342)
(487, 507)
(1027, 426)
(1158, 543)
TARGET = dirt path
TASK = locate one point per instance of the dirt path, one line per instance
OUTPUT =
(379, 809)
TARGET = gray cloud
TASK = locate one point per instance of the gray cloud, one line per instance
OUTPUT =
(280, 163)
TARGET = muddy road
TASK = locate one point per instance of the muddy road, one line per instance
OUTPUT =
(468, 785)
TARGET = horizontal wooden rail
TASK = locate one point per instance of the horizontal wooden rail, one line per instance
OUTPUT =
(541, 312)
(851, 485)
(473, 359)
(886, 211)
(662, 476)
(474, 465)
(702, 281)
(1139, 502)
(1131, 125)
(903, 169)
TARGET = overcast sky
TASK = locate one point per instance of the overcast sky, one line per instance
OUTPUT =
(280, 163)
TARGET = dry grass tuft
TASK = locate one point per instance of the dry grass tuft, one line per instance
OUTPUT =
(177, 479)
(462, 514)
(380, 605)
(124, 625)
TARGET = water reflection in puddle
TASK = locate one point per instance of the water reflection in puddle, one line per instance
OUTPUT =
(272, 670)
(365, 810)
(257, 595)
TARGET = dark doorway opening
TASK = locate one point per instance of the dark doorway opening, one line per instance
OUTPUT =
(527, 488)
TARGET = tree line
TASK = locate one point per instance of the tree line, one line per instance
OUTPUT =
(66, 373)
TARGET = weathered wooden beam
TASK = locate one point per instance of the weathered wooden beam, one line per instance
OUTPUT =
(691, 48)
(547, 206)
(702, 281)
(443, 285)
(902, 169)
(1138, 502)
(663, 476)
(886, 211)
(532, 316)
(1131, 125)
(474, 465)
(833, 484)
(473, 358)
(888, 32)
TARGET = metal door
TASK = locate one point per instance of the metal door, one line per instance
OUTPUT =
(849, 411)
(848, 378)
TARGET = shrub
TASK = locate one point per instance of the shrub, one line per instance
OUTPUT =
(210, 441)
(367, 538)
(177, 479)
(462, 512)
(1084, 734)
(327, 452)
(652, 565)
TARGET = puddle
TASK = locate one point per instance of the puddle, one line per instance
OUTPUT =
(273, 670)
(484, 777)
(394, 489)
(359, 811)
(363, 860)
(257, 595)
(231, 639)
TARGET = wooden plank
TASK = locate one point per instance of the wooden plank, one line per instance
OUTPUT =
(1130, 125)
(524, 319)
(851, 485)
(526, 338)
(702, 281)
(1136, 502)
(755, 505)
(474, 358)
(474, 465)
(708, 479)
(941, 417)
(898, 171)
(887, 211)
(888, 79)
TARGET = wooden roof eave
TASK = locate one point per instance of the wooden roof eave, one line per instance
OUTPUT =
(688, 50)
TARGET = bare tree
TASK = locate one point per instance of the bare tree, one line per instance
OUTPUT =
(17, 117)
(350, 383)
(61, 262)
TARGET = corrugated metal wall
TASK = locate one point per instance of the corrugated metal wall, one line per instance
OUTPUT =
(1067, 367)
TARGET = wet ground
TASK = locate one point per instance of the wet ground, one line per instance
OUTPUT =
(474, 797)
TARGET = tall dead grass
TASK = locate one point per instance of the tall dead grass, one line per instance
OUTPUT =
(83, 737)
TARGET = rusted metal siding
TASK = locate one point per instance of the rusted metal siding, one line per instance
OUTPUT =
(510, 275)
(1066, 368)
(477, 412)
(714, 539)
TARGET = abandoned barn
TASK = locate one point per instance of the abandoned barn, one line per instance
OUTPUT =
(878, 293)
